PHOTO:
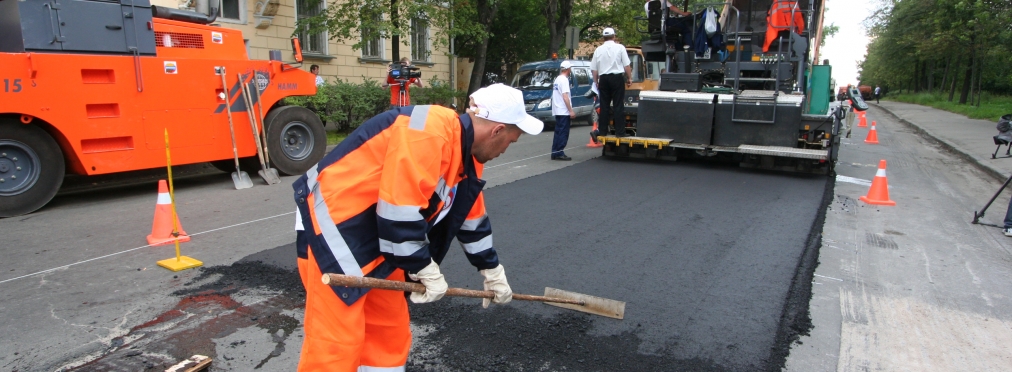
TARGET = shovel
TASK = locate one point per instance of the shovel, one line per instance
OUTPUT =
(555, 297)
(270, 175)
(240, 178)
(260, 110)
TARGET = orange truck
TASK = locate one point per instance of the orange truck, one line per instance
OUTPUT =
(89, 87)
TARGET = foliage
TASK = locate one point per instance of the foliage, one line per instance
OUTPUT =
(592, 16)
(827, 32)
(360, 20)
(917, 45)
(991, 107)
(437, 92)
(345, 104)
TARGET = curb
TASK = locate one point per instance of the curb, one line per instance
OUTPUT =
(997, 174)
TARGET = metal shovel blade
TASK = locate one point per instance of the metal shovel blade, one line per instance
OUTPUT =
(592, 304)
(270, 175)
(241, 180)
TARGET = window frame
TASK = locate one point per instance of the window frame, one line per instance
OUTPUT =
(379, 46)
(325, 44)
(426, 58)
(242, 13)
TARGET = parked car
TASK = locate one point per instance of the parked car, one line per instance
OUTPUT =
(535, 79)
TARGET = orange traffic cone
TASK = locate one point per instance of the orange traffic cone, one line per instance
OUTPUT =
(862, 121)
(162, 228)
(879, 192)
(592, 143)
(872, 135)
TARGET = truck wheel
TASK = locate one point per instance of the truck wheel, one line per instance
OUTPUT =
(31, 168)
(296, 139)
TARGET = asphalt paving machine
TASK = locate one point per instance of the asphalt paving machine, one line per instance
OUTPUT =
(88, 87)
(738, 85)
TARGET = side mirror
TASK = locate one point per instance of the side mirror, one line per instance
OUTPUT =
(297, 49)
(855, 99)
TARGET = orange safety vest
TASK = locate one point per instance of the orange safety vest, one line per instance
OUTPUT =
(395, 194)
(778, 18)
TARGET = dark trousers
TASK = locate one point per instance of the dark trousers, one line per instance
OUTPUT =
(680, 26)
(561, 135)
(1008, 215)
(612, 89)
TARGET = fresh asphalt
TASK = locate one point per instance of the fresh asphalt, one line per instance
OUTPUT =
(706, 257)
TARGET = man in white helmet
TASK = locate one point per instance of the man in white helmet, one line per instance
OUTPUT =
(386, 203)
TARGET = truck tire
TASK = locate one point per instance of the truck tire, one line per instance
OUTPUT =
(296, 139)
(31, 168)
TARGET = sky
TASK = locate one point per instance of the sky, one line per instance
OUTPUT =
(849, 45)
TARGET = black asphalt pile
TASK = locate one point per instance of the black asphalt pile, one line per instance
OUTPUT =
(705, 256)
(209, 308)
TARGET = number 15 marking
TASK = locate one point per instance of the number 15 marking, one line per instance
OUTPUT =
(8, 85)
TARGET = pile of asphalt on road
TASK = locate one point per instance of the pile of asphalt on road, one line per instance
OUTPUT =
(217, 302)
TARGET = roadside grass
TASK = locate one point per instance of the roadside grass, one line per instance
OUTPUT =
(991, 107)
(335, 137)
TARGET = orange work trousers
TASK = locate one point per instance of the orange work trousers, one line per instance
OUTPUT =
(373, 334)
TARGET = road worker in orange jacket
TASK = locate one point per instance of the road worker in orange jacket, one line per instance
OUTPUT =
(386, 203)
(779, 18)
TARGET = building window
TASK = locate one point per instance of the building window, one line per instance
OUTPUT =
(372, 46)
(312, 42)
(420, 40)
(232, 10)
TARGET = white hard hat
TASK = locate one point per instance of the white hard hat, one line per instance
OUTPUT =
(608, 32)
(503, 104)
(565, 65)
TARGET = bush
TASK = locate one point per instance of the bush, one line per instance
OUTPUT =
(345, 104)
(438, 92)
(348, 105)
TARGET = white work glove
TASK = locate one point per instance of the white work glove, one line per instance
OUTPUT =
(432, 279)
(495, 281)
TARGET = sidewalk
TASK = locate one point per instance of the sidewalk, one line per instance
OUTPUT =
(969, 138)
(915, 286)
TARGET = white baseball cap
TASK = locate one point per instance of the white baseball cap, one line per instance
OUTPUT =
(503, 104)
(565, 65)
(608, 31)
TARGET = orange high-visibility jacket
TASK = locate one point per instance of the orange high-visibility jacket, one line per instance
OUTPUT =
(395, 194)
(778, 18)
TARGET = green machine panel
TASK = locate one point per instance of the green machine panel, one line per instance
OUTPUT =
(819, 89)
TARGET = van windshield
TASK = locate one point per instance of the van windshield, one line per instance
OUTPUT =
(535, 79)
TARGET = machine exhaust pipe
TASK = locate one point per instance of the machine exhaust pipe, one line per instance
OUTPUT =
(185, 15)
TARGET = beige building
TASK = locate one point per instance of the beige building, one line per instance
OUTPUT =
(269, 24)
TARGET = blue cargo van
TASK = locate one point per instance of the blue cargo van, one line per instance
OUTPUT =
(535, 80)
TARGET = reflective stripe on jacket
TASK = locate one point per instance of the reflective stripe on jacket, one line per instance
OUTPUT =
(394, 194)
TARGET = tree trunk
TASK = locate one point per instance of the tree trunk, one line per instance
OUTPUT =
(952, 84)
(917, 77)
(931, 76)
(558, 14)
(395, 39)
(968, 79)
(486, 13)
(945, 76)
(980, 78)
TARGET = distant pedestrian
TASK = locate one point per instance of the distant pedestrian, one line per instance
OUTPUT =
(562, 109)
(315, 69)
(878, 93)
(609, 63)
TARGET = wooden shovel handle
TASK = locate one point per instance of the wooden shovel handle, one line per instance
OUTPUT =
(336, 280)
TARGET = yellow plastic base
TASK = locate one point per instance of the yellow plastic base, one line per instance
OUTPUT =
(182, 263)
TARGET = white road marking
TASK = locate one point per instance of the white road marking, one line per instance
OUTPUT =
(141, 247)
(828, 277)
